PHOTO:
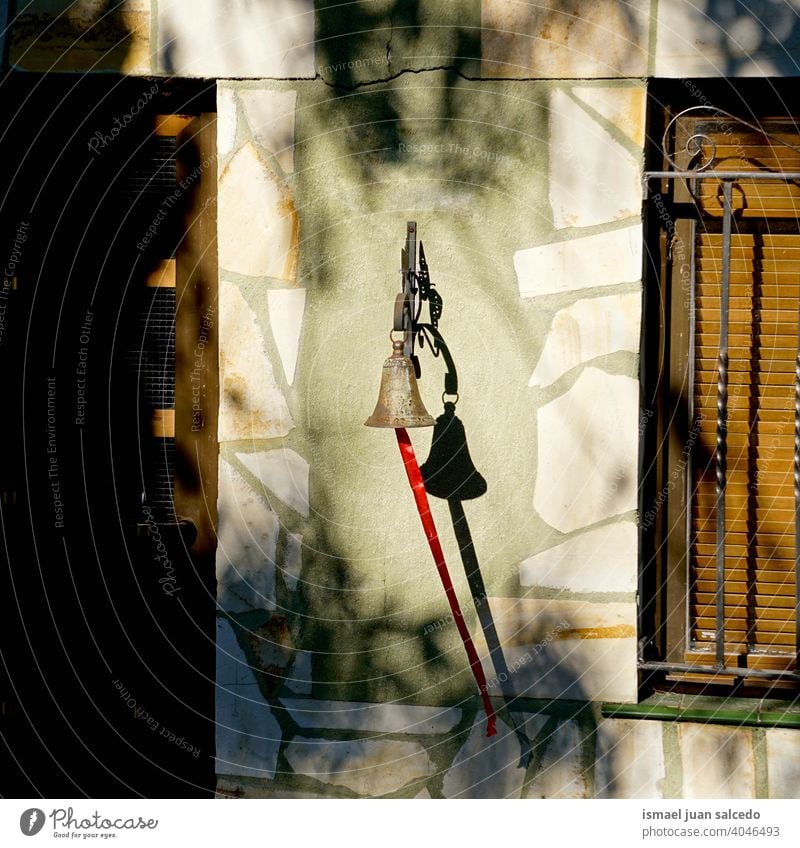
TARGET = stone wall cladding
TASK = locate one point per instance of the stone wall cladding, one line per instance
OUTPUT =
(615, 39)
(577, 648)
(379, 750)
(59, 35)
(586, 388)
(742, 40)
(358, 43)
(555, 750)
(263, 502)
(208, 38)
(554, 40)
(718, 762)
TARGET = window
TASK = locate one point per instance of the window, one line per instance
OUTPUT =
(719, 509)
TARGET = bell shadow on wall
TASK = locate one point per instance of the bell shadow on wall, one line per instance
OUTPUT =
(450, 474)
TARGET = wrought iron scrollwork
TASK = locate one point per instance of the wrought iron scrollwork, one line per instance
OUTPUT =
(696, 142)
(418, 289)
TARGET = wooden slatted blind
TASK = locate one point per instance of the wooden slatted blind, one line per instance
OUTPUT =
(763, 337)
(150, 183)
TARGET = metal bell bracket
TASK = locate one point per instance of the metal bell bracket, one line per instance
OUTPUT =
(400, 406)
(416, 289)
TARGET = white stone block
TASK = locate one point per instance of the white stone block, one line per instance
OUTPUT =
(270, 115)
(630, 759)
(531, 725)
(233, 669)
(251, 404)
(588, 447)
(718, 762)
(248, 736)
(624, 106)
(591, 669)
(273, 647)
(603, 259)
(486, 767)
(601, 560)
(579, 650)
(561, 773)
(286, 307)
(284, 472)
(371, 717)
(293, 560)
(231, 38)
(247, 537)
(695, 38)
(226, 120)
(300, 679)
(783, 762)
(257, 221)
(593, 178)
(555, 40)
(371, 767)
(687, 41)
(587, 329)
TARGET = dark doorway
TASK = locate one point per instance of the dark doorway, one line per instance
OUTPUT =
(108, 474)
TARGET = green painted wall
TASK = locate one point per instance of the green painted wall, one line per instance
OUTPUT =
(468, 162)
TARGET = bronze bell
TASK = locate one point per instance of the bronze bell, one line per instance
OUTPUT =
(399, 403)
(449, 472)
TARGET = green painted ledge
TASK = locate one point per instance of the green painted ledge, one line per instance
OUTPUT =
(710, 710)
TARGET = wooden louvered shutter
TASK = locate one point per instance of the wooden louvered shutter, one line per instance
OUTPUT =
(150, 185)
(764, 293)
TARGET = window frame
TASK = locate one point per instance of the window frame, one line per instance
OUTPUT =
(670, 218)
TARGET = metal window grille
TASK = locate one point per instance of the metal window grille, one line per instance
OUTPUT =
(742, 184)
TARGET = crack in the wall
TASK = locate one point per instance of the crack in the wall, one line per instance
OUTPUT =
(400, 73)
(389, 44)
(318, 77)
(459, 73)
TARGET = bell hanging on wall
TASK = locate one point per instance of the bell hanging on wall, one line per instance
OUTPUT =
(449, 472)
(399, 403)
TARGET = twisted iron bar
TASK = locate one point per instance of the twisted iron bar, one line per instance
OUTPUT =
(797, 500)
(721, 453)
(797, 434)
(720, 461)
